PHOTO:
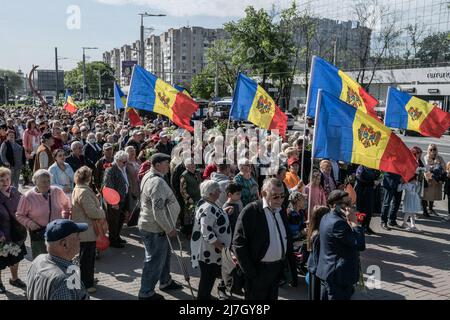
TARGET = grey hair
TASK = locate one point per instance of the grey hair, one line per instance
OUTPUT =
(272, 182)
(39, 174)
(242, 162)
(75, 144)
(129, 148)
(121, 156)
(91, 135)
(208, 187)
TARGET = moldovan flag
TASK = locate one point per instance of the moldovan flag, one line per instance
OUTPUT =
(252, 103)
(328, 77)
(120, 99)
(135, 120)
(407, 112)
(182, 90)
(348, 134)
(69, 105)
(148, 92)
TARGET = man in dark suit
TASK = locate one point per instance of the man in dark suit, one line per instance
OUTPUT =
(116, 178)
(262, 242)
(341, 239)
(92, 151)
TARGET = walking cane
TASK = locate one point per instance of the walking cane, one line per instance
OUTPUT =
(180, 261)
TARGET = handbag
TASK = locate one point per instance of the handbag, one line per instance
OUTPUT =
(101, 228)
(39, 234)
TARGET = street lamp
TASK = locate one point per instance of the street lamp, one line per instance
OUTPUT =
(84, 70)
(142, 47)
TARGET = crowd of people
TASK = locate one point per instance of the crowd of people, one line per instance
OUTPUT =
(242, 224)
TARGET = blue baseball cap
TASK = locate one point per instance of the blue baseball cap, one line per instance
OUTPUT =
(61, 228)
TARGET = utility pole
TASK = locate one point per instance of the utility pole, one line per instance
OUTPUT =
(335, 51)
(142, 46)
(56, 69)
(84, 70)
(6, 90)
(216, 81)
(99, 85)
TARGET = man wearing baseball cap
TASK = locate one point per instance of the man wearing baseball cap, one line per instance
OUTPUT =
(53, 276)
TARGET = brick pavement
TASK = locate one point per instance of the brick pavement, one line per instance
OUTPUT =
(412, 265)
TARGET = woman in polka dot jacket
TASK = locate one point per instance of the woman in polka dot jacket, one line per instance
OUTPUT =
(211, 233)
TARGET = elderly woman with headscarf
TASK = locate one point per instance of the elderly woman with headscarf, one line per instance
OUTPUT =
(435, 174)
(211, 234)
(116, 178)
(39, 206)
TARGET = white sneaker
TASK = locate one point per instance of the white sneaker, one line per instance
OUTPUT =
(409, 229)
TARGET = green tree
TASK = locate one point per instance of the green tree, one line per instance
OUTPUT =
(203, 85)
(73, 79)
(13, 82)
(435, 48)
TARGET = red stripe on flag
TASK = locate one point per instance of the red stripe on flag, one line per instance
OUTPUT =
(436, 123)
(397, 158)
(370, 103)
(70, 108)
(182, 110)
(135, 120)
(279, 121)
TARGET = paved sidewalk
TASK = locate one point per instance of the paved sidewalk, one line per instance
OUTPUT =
(412, 265)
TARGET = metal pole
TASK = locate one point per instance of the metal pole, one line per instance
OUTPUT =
(84, 76)
(335, 51)
(141, 46)
(306, 113)
(216, 81)
(313, 151)
(99, 85)
(56, 69)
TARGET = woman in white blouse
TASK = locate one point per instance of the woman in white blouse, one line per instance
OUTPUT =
(211, 233)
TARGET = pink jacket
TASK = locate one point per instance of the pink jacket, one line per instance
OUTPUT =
(33, 207)
(27, 139)
(318, 196)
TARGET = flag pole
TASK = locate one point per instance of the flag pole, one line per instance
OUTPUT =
(387, 103)
(313, 151)
(306, 114)
(232, 101)
(128, 96)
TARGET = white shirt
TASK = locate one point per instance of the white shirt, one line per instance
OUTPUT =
(274, 251)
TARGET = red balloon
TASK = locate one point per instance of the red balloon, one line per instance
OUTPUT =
(102, 243)
(111, 196)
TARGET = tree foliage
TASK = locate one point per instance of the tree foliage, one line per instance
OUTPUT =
(435, 48)
(13, 82)
(73, 80)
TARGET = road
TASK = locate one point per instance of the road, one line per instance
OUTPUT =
(443, 144)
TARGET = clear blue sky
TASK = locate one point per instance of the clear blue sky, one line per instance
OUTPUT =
(30, 30)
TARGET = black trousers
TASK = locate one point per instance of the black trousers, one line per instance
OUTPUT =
(115, 219)
(208, 274)
(87, 263)
(265, 285)
(333, 291)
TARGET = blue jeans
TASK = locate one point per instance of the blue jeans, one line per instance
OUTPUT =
(388, 210)
(156, 263)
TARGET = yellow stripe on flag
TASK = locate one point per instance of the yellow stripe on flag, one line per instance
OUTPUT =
(165, 96)
(370, 139)
(350, 92)
(262, 110)
(417, 110)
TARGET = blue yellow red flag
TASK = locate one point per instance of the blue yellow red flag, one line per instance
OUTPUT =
(69, 104)
(404, 111)
(328, 77)
(348, 134)
(120, 99)
(148, 92)
(252, 103)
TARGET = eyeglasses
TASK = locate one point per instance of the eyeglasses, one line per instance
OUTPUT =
(433, 149)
